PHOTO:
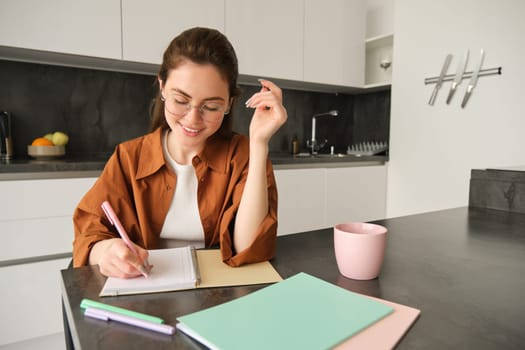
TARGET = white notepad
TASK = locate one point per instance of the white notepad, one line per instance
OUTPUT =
(173, 269)
(185, 268)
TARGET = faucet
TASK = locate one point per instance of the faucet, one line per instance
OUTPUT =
(6, 142)
(312, 144)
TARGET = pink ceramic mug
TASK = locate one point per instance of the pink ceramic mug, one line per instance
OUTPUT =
(359, 249)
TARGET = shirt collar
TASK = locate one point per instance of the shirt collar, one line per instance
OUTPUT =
(151, 158)
(214, 155)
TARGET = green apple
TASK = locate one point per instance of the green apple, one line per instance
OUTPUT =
(60, 138)
(49, 137)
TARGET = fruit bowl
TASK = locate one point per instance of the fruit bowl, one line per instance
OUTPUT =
(46, 152)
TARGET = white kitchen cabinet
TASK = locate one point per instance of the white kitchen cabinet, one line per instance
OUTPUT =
(267, 37)
(30, 300)
(84, 27)
(315, 198)
(149, 26)
(301, 198)
(379, 17)
(297, 40)
(334, 42)
(355, 194)
(32, 237)
(37, 232)
(30, 199)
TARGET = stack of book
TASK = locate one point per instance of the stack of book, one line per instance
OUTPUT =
(300, 312)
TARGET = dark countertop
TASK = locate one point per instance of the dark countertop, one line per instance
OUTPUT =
(289, 161)
(64, 167)
(92, 165)
(462, 267)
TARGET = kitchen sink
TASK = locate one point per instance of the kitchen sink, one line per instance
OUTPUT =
(335, 155)
(323, 155)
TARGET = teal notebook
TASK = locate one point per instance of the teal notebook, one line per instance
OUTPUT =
(300, 312)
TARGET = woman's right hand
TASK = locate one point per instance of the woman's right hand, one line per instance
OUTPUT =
(115, 259)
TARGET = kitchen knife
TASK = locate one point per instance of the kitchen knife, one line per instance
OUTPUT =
(440, 79)
(459, 76)
(473, 80)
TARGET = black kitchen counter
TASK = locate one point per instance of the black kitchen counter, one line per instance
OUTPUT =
(462, 267)
(91, 165)
(64, 167)
(286, 160)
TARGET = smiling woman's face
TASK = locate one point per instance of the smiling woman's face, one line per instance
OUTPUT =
(202, 86)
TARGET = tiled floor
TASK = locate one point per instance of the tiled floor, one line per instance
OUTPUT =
(49, 342)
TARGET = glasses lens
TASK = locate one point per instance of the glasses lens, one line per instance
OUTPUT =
(209, 111)
(212, 111)
(177, 107)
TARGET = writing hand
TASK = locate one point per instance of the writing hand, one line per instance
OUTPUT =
(115, 259)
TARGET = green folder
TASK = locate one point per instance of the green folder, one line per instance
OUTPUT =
(300, 312)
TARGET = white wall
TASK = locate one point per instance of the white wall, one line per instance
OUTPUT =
(433, 148)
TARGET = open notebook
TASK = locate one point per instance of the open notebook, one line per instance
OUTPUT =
(179, 269)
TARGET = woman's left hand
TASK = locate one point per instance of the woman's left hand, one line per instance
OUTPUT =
(269, 114)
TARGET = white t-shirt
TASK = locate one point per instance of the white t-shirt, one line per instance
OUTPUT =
(183, 224)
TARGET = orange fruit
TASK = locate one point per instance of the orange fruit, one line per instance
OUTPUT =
(42, 141)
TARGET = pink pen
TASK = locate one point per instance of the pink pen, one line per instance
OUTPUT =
(114, 220)
(106, 315)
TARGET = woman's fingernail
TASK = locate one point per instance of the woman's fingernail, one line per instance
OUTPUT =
(262, 81)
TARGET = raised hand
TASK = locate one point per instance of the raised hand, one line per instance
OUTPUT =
(269, 114)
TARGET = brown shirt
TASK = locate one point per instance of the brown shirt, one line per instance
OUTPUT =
(140, 186)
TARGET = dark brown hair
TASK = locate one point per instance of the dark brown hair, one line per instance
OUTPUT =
(201, 46)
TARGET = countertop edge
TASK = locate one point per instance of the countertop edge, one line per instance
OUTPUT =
(45, 175)
(93, 169)
(361, 163)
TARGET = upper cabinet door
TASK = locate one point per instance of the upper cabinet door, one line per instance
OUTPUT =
(149, 26)
(267, 37)
(334, 42)
(82, 27)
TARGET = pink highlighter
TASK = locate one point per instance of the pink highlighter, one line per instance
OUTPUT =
(114, 220)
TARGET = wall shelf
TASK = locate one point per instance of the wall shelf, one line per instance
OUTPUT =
(378, 63)
(381, 86)
(379, 41)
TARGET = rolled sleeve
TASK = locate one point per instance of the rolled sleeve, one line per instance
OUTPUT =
(264, 245)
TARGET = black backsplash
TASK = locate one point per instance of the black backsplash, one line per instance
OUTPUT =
(99, 109)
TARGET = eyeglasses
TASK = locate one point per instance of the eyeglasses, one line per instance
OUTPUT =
(180, 106)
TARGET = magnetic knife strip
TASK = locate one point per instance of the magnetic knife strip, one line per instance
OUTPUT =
(459, 76)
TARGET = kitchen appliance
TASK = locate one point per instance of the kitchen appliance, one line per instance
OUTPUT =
(6, 141)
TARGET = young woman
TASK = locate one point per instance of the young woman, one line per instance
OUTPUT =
(191, 180)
